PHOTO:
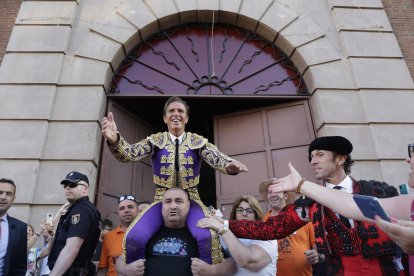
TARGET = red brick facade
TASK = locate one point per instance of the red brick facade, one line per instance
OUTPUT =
(8, 13)
(401, 15)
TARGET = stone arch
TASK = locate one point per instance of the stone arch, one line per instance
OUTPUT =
(115, 34)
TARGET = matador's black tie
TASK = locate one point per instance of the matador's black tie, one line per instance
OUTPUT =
(177, 154)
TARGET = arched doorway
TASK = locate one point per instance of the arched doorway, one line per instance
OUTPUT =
(232, 79)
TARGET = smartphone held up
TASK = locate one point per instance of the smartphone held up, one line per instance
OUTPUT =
(49, 218)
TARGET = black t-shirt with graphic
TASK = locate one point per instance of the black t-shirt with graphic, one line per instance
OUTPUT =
(169, 252)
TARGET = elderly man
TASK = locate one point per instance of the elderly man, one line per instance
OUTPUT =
(112, 242)
(173, 249)
(78, 230)
(176, 161)
(13, 239)
(351, 247)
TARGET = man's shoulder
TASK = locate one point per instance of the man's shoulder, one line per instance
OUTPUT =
(83, 205)
(159, 139)
(86, 208)
(114, 234)
(158, 135)
(195, 141)
(15, 221)
(376, 188)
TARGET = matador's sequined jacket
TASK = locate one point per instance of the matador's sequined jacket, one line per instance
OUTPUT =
(332, 237)
(192, 150)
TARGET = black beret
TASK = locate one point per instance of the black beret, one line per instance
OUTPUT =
(337, 144)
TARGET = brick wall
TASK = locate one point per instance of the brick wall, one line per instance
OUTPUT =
(8, 13)
(401, 15)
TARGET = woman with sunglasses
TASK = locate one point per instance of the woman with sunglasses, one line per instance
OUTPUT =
(252, 257)
(399, 208)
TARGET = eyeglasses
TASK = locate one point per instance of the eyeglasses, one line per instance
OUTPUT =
(410, 150)
(126, 197)
(72, 185)
(240, 210)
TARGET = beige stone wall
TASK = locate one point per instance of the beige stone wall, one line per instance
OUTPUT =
(61, 56)
(51, 104)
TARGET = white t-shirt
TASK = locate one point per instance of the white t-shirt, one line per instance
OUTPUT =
(270, 247)
(44, 269)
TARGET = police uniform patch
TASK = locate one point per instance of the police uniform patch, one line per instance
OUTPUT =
(75, 219)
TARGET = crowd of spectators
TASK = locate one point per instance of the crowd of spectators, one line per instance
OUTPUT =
(322, 229)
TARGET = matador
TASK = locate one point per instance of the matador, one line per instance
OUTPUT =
(176, 158)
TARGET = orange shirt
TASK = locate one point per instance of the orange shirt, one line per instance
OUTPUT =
(292, 260)
(111, 250)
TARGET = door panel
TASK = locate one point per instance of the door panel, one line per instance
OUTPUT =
(235, 185)
(250, 125)
(298, 157)
(289, 126)
(264, 139)
(117, 178)
(144, 186)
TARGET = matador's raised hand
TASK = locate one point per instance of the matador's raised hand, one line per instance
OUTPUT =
(109, 129)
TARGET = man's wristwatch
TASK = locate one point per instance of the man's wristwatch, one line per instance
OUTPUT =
(226, 225)
(222, 231)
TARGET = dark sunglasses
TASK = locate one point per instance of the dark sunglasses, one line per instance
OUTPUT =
(410, 150)
(72, 185)
(126, 197)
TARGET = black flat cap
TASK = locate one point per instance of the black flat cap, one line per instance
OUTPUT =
(337, 144)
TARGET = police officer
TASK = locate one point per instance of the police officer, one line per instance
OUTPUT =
(78, 231)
